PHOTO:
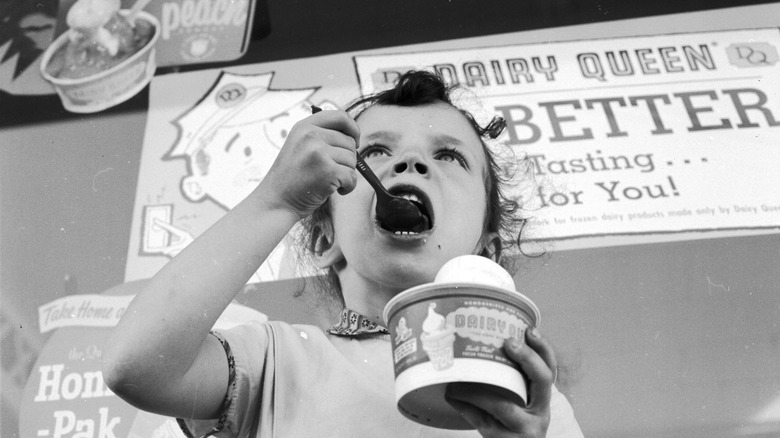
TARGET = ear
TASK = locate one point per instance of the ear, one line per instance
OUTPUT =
(327, 252)
(490, 246)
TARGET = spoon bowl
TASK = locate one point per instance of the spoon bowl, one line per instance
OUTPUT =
(393, 212)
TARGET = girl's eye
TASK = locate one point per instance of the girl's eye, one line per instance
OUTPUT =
(373, 151)
(452, 156)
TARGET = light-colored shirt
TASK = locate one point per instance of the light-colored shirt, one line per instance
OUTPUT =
(297, 381)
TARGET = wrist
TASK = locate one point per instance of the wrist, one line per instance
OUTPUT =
(268, 200)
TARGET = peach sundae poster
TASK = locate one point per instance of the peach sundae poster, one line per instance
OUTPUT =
(630, 140)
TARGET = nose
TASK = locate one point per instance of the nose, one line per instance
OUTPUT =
(411, 163)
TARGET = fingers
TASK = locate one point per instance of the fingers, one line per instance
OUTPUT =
(317, 159)
(536, 358)
(487, 409)
(544, 349)
(325, 144)
(485, 424)
(341, 147)
(347, 179)
(340, 150)
(341, 132)
(493, 411)
(338, 121)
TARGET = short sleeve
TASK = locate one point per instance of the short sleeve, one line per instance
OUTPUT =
(250, 359)
(562, 421)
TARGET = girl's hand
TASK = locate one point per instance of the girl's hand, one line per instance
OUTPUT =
(317, 159)
(496, 416)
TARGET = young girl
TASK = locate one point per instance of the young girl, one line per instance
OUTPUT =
(280, 380)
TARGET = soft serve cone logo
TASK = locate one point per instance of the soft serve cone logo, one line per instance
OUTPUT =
(437, 339)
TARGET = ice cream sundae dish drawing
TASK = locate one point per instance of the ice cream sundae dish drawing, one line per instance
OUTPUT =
(105, 57)
(99, 37)
(437, 339)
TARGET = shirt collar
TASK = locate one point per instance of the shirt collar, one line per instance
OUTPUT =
(353, 323)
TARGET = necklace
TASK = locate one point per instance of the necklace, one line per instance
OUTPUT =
(353, 323)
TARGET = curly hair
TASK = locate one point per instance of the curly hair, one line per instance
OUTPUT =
(419, 88)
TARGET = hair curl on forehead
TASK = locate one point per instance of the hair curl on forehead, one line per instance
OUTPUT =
(420, 88)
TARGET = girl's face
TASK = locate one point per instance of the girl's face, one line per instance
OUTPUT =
(432, 154)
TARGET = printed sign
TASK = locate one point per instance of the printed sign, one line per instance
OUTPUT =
(657, 134)
(82, 310)
(66, 395)
(193, 31)
(197, 31)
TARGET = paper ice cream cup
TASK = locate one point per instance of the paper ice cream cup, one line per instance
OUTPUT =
(109, 87)
(475, 308)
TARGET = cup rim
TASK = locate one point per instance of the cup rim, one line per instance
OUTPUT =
(61, 40)
(512, 296)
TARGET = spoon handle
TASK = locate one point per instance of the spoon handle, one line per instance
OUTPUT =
(371, 177)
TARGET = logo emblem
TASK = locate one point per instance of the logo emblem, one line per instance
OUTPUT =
(230, 95)
(752, 54)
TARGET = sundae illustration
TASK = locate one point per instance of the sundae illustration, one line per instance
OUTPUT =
(99, 37)
(437, 339)
(106, 56)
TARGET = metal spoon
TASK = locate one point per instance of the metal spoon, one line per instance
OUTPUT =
(393, 212)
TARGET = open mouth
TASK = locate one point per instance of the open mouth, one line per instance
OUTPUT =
(412, 217)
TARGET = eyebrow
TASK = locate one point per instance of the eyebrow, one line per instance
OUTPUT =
(438, 140)
(383, 135)
(444, 140)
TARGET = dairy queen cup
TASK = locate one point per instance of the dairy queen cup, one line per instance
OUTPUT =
(453, 330)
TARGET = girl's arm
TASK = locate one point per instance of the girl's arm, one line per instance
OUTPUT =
(160, 357)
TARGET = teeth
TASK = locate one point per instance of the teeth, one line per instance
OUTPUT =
(411, 197)
(404, 233)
